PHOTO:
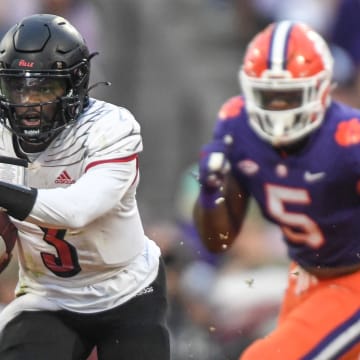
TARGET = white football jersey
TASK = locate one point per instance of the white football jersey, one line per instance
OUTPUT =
(83, 245)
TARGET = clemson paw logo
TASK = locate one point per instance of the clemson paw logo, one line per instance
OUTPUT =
(348, 132)
(231, 108)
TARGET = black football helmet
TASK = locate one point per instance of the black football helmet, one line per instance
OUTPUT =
(44, 77)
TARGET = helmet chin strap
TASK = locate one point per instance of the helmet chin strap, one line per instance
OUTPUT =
(27, 147)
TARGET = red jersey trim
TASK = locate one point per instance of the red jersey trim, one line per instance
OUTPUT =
(125, 159)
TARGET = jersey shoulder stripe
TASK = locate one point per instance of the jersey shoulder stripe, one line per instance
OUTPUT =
(125, 159)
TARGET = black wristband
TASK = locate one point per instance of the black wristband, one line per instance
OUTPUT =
(18, 201)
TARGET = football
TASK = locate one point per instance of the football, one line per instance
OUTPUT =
(8, 237)
(236, 198)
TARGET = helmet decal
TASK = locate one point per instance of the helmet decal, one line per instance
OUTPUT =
(279, 46)
(25, 64)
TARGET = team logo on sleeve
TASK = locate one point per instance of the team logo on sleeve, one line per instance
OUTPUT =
(348, 132)
(231, 108)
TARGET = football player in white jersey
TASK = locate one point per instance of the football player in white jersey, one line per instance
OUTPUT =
(88, 275)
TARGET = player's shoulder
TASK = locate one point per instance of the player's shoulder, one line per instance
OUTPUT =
(232, 119)
(106, 114)
(109, 119)
(112, 125)
(342, 110)
(232, 108)
(344, 122)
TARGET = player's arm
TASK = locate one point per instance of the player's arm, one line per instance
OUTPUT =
(221, 205)
(219, 225)
(93, 195)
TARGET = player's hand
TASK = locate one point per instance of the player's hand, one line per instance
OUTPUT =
(213, 167)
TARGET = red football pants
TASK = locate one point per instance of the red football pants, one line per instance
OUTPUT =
(320, 323)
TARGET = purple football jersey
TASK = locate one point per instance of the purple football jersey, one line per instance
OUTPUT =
(313, 194)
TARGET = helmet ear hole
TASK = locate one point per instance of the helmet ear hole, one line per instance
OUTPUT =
(80, 74)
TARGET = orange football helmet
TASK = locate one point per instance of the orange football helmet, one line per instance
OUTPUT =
(291, 58)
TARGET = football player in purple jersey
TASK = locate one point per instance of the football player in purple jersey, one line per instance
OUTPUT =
(88, 275)
(296, 151)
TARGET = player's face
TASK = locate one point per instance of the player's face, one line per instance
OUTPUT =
(38, 95)
(280, 100)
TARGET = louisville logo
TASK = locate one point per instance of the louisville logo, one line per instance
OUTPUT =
(24, 63)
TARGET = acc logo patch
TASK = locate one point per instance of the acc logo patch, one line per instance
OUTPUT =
(248, 167)
(348, 132)
(231, 108)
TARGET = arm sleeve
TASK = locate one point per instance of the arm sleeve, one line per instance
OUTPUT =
(99, 190)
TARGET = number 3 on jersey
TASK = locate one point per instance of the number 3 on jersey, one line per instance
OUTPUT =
(297, 227)
(66, 263)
